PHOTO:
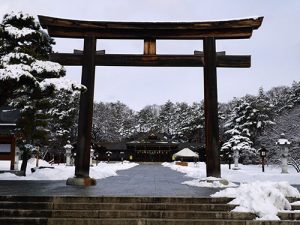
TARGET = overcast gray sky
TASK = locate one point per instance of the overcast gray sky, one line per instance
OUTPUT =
(275, 47)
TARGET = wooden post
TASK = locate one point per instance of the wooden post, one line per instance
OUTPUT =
(149, 47)
(213, 168)
(13, 152)
(82, 162)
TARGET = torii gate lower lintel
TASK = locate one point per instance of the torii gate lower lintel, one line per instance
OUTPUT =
(89, 58)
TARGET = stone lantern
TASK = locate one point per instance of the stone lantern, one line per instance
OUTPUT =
(91, 156)
(284, 147)
(17, 158)
(122, 156)
(68, 148)
(236, 156)
(108, 154)
(263, 153)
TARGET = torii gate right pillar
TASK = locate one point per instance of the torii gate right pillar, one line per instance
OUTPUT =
(213, 168)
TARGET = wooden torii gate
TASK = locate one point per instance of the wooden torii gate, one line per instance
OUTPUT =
(89, 58)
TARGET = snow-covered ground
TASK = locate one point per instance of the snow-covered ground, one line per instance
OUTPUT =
(62, 172)
(247, 173)
(264, 194)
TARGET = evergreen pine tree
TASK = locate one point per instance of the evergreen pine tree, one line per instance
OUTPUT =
(112, 122)
(146, 119)
(239, 128)
(27, 78)
(191, 123)
(294, 98)
(64, 120)
(167, 119)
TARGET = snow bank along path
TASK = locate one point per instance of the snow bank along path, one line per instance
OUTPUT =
(247, 173)
(62, 172)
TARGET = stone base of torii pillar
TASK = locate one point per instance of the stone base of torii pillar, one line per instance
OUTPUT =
(81, 181)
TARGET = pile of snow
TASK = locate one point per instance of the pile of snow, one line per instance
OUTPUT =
(32, 163)
(103, 169)
(197, 171)
(63, 172)
(210, 182)
(265, 199)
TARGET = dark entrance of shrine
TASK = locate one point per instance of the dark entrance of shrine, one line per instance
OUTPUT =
(152, 148)
(209, 59)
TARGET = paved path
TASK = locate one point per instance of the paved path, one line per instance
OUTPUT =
(142, 180)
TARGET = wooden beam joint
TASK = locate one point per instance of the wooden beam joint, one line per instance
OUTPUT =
(201, 53)
(80, 52)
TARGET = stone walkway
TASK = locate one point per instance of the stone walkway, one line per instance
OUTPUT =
(142, 180)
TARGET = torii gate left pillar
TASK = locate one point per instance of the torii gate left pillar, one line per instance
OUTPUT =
(213, 168)
(149, 32)
(82, 160)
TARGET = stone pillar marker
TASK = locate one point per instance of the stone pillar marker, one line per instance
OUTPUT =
(68, 149)
(284, 147)
(17, 159)
(91, 156)
(236, 156)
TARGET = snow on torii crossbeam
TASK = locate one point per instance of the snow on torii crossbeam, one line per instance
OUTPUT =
(89, 58)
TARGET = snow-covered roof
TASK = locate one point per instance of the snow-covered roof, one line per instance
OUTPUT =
(8, 124)
(186, 152)
(68, 146)
(283, 141)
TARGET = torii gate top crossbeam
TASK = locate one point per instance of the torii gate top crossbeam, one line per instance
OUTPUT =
(150, 32)
(230, 29)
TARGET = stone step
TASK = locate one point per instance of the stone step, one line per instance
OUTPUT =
(295, 207)
(290, 215)
(145, 206)
(293, 199)
(143, 221)
(26, 205)
(16, 198)
(23, 221)
(105, 210)
(116, 206)
(105, 199)
(127, 214)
